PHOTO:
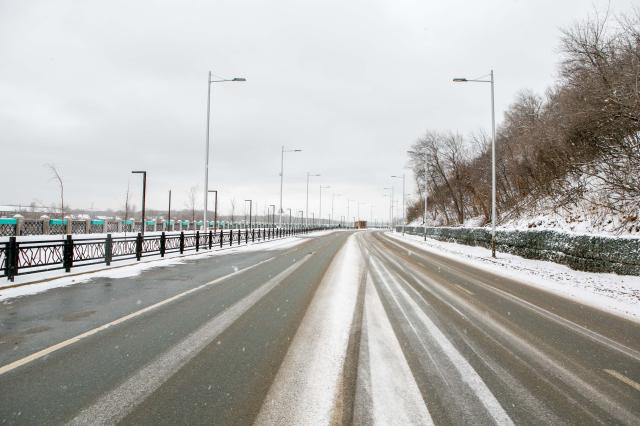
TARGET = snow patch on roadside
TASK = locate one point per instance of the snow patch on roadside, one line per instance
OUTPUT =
(617, 294)
(307, 385)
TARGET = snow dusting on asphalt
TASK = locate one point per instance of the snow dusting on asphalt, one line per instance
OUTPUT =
(618, 294)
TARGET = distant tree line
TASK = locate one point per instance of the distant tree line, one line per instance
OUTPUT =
(583, 133)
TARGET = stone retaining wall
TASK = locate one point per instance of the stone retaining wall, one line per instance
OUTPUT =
(580, 252)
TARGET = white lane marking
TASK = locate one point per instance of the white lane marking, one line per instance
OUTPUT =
(395, 395)
(114, 405)
(307, 387)
(465, 370)
(623, 379)
(592, 335)
(469, 292)
(44, 352)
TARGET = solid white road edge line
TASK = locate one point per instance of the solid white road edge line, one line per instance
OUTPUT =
(114, 405)
(44, 352)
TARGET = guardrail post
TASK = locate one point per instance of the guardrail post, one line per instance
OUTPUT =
(239, 236)
(246, 236)
(163, 244)
(108, 250)
(139, 246)
(181, 242)
(197, 240)
(210, 239)
(231, 237)
(253, 235)
(221, 236)
(67, 253)
(11, 262)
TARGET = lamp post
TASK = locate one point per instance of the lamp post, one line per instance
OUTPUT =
(493, 155)
(282, 177)
(273, 217)
(426, 195)
(168, 213)
(307, 207)
(320, 213)
(144, 195)
(333, 198)
(250, 211)
(404, 206)
(348, 205)
(215, 209)
(206, 156)
(390, 205)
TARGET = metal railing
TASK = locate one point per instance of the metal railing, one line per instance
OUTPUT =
(28, 257)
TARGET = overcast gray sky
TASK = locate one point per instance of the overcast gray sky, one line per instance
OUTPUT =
(100, 88)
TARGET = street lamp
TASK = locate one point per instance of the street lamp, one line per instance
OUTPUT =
(250, 211)
(426, 195)
(307, 208)
(348, 205)
(144, 195)
(320, 213)
(493, 156)
(282, 177)
(206, 157)
(404, 206)
(390, 195)
(215, 209)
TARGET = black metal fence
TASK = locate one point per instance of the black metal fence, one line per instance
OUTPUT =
(28, 257)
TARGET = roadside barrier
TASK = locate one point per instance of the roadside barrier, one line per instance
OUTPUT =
(28, 257)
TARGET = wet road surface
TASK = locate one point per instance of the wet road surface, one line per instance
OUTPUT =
(344, 328)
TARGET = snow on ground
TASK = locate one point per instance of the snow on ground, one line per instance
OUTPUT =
(618, 294)
(129, 268)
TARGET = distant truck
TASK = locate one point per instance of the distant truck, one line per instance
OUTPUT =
(361, 224)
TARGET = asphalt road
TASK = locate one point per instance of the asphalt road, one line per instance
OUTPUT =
(344, 328)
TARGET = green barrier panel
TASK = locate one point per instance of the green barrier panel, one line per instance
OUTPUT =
(57, 221)
(151, 222)
(127, 222)
(7, 221)
(97, 221)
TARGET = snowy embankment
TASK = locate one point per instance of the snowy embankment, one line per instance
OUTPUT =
(618, 294)
(37, 283)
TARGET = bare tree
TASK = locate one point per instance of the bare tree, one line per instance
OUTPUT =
(55, 175)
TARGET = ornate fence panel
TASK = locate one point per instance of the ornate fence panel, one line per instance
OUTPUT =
(26, 257)
(57, 229)
(79, 227)
(112, 227)
(32, 227)
(7, 229)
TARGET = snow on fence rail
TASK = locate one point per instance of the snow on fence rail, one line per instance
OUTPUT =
(591, 253)
(26, 257)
